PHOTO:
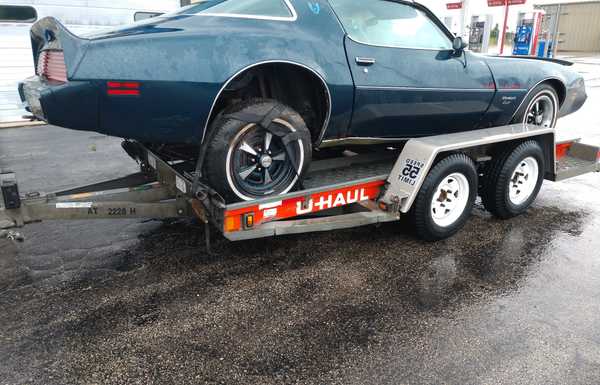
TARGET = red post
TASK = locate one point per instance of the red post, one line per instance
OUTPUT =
(503, 32)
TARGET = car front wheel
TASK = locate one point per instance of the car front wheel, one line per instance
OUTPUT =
(541, 108)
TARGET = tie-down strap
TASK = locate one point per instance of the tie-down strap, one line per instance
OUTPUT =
(282, 132)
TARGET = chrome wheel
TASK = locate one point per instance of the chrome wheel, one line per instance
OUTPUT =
(450, 199)
(542, 111)
(523, 181)
(258, 163)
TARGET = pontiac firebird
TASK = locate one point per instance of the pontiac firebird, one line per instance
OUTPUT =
(259, 85)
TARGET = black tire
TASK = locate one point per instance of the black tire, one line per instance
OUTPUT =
(498, 180)
(225, 157)
(547, 95)
(426, 226)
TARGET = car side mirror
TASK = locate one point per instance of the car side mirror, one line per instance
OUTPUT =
(458, 44)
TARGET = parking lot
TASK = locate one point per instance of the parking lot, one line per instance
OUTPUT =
(131, 301)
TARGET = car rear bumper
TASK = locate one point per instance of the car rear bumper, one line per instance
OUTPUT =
(575, 98)
(71, 105)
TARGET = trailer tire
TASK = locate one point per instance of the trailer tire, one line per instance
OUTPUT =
(513, 180)
(239, 165)
(453, 180)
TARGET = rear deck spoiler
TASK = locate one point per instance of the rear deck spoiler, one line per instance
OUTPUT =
(49, 33)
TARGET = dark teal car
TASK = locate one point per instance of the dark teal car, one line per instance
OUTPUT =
(258, 85)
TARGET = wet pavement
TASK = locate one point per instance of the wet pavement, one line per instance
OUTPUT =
(141, 302)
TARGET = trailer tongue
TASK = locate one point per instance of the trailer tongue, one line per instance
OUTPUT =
(344, 192)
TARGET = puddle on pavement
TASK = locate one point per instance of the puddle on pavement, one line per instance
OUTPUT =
(278, 307)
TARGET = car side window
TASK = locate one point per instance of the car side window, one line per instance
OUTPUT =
(390, 24)
(252, 8)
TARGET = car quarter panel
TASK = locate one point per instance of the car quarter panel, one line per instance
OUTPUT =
(182, 63)
(516, 77)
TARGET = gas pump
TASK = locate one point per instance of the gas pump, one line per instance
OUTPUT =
(528, 33)
(549, 33)
(479, 34)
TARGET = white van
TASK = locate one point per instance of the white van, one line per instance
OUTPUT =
(80, 16)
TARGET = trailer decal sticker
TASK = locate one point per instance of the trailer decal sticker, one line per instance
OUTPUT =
(270, 205)
(74, 205)
(270, 213)
(300, 205)
(327, 202)
(120, 211)
(411, 171)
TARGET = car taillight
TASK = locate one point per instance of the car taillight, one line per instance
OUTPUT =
(51, 65)
(123, 88)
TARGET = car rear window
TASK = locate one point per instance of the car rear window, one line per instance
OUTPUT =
(277, 9)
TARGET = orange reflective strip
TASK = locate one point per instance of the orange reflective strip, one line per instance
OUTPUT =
(297, 206)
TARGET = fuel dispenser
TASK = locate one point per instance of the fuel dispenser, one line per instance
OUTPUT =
(528, 34)
(479, 34)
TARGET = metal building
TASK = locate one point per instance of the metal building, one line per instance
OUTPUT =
(80, 16)
(578, 27)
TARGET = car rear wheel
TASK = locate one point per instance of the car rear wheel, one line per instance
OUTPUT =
(513, 180)
(446, 198)
(259, 148)
(540, 108)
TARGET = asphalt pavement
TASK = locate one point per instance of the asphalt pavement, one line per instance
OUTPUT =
(141, 302)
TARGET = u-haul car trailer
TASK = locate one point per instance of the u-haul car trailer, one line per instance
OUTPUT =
(435, 179)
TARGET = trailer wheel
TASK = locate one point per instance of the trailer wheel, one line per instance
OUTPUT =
(513, 180)
(260, 148)
(446, 198)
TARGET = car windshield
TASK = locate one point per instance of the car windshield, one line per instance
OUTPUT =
(264, 8)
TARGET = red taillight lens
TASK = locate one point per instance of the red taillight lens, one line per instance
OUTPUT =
(562, 149)
(51, 65)
(123, 88)
(134, 85)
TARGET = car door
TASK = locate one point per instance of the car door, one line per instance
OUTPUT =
(408, 79)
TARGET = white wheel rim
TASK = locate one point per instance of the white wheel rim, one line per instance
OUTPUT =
(450, 199)
(523, 181)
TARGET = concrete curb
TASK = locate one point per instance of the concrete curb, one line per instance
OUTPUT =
(21, 124)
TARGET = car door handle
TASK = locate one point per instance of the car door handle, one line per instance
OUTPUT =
(365, 61)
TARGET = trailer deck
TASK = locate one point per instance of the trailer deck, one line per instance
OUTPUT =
(348, 191)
